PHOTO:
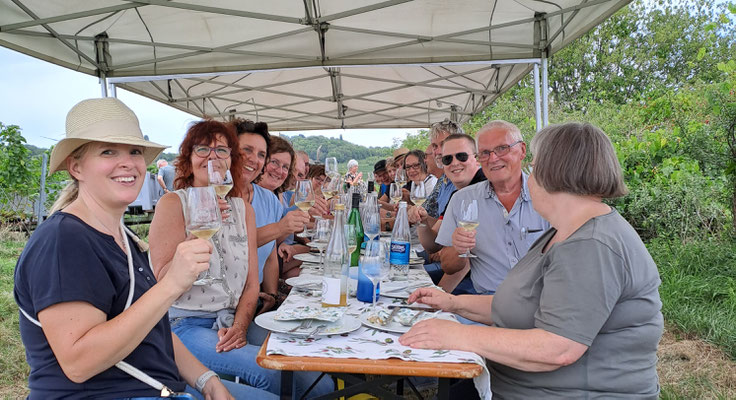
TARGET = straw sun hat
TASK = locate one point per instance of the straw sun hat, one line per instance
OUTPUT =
(105, 120)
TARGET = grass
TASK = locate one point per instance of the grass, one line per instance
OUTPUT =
(699, 289)
(697, 354)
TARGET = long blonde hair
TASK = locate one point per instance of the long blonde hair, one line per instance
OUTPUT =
(71, 190)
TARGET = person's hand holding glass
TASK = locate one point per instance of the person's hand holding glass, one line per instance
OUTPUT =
(464, 236)
(203, 219)
(304, 199)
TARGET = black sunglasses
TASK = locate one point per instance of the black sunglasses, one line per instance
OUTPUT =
(462, 157)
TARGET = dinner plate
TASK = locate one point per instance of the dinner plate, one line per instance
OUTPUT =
(305, 281)
(346, 324)
(307, 257)
(395, 326)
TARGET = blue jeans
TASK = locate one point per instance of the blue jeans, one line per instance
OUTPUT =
(199, 337)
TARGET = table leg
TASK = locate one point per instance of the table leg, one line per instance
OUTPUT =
(287, 383)
(443, 389)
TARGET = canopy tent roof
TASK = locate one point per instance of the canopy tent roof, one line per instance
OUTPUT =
(307, 64)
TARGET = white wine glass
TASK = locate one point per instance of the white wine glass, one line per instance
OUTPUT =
(395, 193)
(371, 266)
(220, 178)
(371, 222)
(350, 239)
(331, 167)
(321, 237)
(468, 220)
(203, 220)
(330, 187)
(304, 199)
(400, 177)
(418, 194)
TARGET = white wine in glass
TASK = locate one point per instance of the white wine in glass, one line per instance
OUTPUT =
(304, 199)
(400, 177)
(468, 220)
(395, 192)
(203, 220)
(418, 194)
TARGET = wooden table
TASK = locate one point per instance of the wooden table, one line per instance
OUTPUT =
(386, 371)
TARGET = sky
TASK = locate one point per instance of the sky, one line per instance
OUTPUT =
(36, 95)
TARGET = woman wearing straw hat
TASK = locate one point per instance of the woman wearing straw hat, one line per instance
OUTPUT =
(83, 282)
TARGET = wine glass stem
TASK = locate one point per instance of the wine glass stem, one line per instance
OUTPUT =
(373, 304)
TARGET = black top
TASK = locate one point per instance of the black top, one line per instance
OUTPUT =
(67, 260)
(478, 177)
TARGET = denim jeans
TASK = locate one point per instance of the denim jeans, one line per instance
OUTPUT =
(199, 337)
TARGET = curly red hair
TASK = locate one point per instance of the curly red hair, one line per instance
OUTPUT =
(203, 133)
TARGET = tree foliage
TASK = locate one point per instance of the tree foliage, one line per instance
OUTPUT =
(333, 147)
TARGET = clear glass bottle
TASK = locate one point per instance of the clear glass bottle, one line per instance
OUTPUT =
(336, 264)
(400, 245)
(355, 220)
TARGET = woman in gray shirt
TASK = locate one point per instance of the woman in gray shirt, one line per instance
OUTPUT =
(579, 316)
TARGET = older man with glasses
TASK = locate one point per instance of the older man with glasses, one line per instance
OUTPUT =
(508, 225)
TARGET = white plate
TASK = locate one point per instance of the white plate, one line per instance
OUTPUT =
(307, 257)
(395, 326)
(305, 281)
(344, 325)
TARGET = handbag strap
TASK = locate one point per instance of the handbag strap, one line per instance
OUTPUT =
(122, 365)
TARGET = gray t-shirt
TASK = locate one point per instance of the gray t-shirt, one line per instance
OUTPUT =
(167, 173)
(599, 287)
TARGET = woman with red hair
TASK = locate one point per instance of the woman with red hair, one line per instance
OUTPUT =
(212, 320)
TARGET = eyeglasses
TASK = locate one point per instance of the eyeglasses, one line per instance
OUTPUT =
(276, 164)
(462, 157)
(413, 166)
(500, 151)
(205, 151)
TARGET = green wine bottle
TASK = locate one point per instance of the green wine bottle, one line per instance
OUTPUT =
(354, 219)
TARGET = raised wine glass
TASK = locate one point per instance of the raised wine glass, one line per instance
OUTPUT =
(304, 199)
(400, 177)
(468, 220)
(395, 193)
(418, 194)
(331, 167)
(203, 220)
(220, 179)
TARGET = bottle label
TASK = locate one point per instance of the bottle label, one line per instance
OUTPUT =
(400, 252)
(331, 290)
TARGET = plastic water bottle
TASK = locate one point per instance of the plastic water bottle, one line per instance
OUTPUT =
(400, 245)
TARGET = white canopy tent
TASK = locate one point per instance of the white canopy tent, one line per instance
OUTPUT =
(310, 64)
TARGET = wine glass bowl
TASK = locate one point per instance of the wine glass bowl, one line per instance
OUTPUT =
(468, 220)
(304, 199)
(395, 193)
(203, 220)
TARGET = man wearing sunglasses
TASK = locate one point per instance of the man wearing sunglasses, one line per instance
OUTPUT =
(461, 169)
(504, 211)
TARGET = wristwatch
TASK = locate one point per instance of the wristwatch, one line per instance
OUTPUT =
(202, 380)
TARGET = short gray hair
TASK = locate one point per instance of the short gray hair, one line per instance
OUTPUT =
(352, 163)
(577, 158)
(446, 126)
(500, 124)
(161, 163)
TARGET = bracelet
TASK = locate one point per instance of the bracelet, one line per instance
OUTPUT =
(202, 380)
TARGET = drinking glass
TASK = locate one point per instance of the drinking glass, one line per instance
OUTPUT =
(350, 239)
(331, 187)
(203, 219)
(400, 177)
(331, 167)
(220, 178)
(468, 220)
(395, 192)
(418, 194)
(371, 222)
(374, 266)
(321, 237)
(304, 199)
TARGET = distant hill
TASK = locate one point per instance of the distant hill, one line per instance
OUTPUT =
(333, 147)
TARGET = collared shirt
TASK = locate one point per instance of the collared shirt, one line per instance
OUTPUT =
(478, 177)
(500, 239)
(437, 201)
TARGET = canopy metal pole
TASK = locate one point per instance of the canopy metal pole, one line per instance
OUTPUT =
(103, 84)
(113, 91)
(41, 210)
(545, 91)
(537, 98)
